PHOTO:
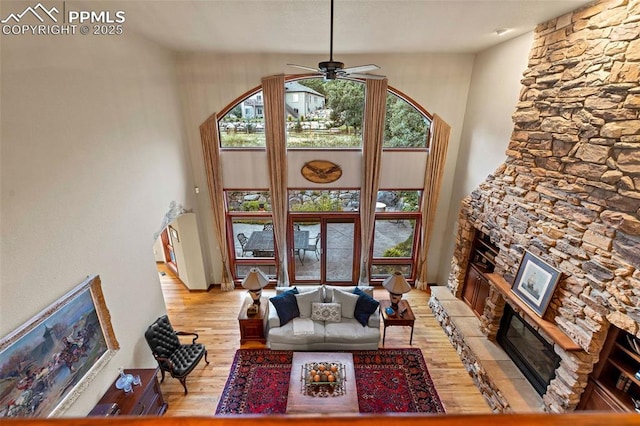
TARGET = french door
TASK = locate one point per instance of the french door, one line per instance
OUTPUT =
(329, 254)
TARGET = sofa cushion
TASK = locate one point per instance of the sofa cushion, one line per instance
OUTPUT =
(286, 305)
(347, 302)
(305, 300)
(365, 306)
(326, 312)
(300, 288)
(284, 334)
(328, 290)
(349, 331)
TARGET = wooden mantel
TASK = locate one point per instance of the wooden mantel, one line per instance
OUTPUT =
(549, 328)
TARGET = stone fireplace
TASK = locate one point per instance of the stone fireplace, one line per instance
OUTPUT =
(569, 190)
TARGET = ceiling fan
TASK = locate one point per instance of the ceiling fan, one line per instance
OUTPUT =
(333, 69)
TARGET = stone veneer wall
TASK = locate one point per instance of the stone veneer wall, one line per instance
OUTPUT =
(569, 191)
(487, 387)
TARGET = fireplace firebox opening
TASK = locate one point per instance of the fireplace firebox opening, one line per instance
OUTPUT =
(532, 354)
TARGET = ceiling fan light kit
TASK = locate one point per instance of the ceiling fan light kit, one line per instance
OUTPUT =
(334, 69)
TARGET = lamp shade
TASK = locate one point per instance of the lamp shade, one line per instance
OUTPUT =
(396, 284)
(255, 280)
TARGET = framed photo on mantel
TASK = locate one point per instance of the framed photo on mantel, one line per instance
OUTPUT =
(535, 282)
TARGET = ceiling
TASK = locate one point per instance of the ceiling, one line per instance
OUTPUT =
(361, 26)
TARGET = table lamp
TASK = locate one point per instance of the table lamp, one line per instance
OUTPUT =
(255, 281)
(396, 285)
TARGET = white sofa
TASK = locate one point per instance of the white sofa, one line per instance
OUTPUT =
(347, 334)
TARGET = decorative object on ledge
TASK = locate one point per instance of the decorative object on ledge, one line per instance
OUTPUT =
(321, 171)
(396, 285)
(51, 359)
(535, 282)
(255, 281)
(175, 210)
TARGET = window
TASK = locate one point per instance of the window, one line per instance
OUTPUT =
(331, 117)
(404, 125)
(394, 237)
(324, 200)
(253, 243)
(251, 229)
(243, 125)
(399, 201)
(248, 201)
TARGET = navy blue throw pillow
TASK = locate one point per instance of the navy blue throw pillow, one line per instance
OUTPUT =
(286, 305)
(365, 306)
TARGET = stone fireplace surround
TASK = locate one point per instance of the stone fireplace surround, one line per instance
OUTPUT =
(569, 190)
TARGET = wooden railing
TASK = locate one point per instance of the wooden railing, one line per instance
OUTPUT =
(582, 419)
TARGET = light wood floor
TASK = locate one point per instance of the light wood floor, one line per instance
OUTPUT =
(213, 315)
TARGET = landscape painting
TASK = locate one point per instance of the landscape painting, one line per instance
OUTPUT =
(47, 362)
(535, 282)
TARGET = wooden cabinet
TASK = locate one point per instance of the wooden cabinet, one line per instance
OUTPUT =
(252, 327)
(145, 400)
(482, 260)
(613, 384)
(476, 290)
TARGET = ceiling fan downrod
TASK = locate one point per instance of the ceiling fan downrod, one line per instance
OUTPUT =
(331, 35)
(330, 67)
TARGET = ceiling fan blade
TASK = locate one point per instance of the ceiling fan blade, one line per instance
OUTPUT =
(371, 76)
(361, 68)
(305, 68)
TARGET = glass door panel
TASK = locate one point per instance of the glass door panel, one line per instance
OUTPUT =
(305, 262)
(338, 256)
(323, 250)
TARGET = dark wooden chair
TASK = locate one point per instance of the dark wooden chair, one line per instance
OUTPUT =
(243, 242)
(173, 356)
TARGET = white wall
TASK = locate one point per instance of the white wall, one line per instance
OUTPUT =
(158, 250)
(188, 252)
(92, 154)
(438, 82)
(494, 92)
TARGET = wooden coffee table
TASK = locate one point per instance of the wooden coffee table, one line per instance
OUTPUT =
(298, 402)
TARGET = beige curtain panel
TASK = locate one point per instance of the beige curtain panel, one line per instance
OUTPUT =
(211, 153)
(274, 113)
(432, 182)
(373, 135)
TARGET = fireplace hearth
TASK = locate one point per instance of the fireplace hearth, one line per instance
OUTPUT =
(533, 355)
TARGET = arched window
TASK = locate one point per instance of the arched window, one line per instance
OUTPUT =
(324, 121)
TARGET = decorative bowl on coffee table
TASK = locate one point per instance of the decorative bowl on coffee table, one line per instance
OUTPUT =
(324, 378)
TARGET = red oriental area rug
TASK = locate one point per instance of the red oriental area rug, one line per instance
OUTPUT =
(388, 380)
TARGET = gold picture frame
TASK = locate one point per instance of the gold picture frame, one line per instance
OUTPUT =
(50, 360)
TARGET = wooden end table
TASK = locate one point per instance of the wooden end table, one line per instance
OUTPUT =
(407, 319)
(146, 399)
(252, 327)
